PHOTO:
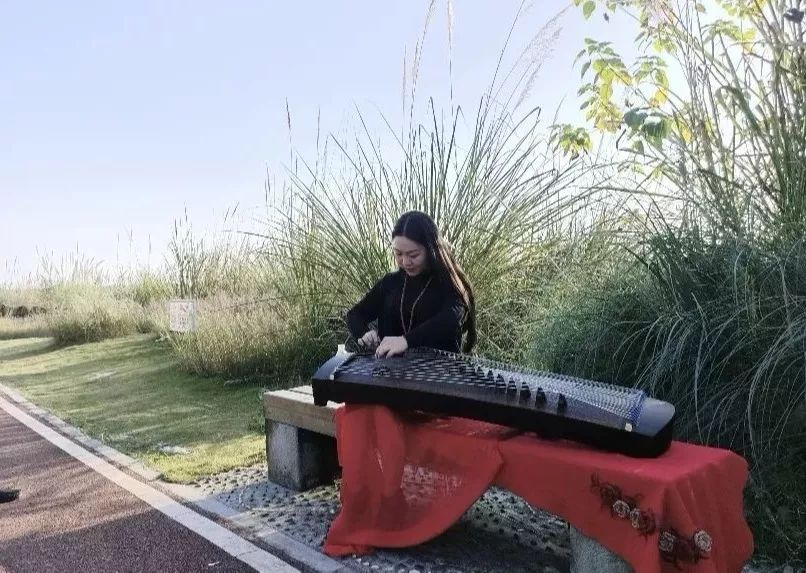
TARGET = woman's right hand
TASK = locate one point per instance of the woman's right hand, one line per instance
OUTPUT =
(370, 339)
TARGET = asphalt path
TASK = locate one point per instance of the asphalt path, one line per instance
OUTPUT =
(69, 518)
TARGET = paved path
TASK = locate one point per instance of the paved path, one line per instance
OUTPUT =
(70, 518)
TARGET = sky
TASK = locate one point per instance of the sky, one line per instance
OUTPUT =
(117, 118)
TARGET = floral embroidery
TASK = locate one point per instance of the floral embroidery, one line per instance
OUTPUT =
(674, 547)
(624, 506)
(666, 542)
(702, 540)
(621, 508)
(643, 521)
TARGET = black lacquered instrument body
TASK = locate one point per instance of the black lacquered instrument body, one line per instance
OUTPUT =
(606, 416)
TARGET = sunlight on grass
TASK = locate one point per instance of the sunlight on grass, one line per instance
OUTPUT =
(21, 328)
(21, 347)
(129, 393)
(210, 458)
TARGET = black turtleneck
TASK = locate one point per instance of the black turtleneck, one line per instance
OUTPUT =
(437, 318)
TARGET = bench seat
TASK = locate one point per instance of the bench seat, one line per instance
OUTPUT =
(295, 407)
(300, 439)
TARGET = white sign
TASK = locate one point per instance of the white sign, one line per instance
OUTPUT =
(182, 315)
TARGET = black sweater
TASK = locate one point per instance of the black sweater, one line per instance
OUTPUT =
(437, 319)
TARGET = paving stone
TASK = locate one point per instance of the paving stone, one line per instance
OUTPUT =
(521, 539)
(500, 533)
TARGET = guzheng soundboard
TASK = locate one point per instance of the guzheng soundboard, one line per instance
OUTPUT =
(603, 415)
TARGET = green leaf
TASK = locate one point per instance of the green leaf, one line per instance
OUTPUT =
(572, 141)
(588, 8)
(656, 127)
(606, 91)
(635, 118)
(684, 131)
(659, 98)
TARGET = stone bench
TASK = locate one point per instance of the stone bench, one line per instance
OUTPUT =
(300, 439)
(301, 454)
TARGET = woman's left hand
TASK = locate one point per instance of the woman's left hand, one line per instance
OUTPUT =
(391, 345)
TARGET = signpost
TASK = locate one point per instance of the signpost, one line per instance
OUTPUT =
(182, 315)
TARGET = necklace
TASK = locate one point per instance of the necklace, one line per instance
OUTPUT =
(403, 296)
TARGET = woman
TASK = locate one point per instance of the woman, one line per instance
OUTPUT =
(428, 301)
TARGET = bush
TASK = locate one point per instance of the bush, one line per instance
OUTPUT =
(147, 288)
(718, 329)
(276, 344)
(90, 313)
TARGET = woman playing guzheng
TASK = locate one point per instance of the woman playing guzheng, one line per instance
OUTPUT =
(428, 301)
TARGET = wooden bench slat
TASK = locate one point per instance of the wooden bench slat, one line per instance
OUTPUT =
(303, 390)
(297, 409)
(300, 420)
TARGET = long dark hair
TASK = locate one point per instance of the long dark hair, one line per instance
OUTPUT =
(420, 228)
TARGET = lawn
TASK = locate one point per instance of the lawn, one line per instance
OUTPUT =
(16, 328)
(130, 394)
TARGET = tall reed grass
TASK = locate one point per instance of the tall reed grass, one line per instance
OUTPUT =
(496, 197)
(705, 305)
(82, 312)
(204, 266)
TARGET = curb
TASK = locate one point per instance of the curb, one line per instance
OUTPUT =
(298, 554)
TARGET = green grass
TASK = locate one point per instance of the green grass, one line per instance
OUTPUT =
(21, 347)
(31, 327)
(130, 394)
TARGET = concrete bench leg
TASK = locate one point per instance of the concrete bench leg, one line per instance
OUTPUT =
(299, 459)
(588, 556)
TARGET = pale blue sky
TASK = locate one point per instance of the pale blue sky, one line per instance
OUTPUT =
(115, 116)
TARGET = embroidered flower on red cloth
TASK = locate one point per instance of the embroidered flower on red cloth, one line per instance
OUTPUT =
(675, 548)
(624, 506)
(607, 491)
(643, 521)
(703, 541)
(666, 542)
(621, 508)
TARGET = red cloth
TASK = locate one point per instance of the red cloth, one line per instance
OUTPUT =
(406, 479)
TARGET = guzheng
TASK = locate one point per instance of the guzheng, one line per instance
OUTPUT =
(603, 415)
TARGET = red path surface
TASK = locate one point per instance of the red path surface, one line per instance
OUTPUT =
(70, 519)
